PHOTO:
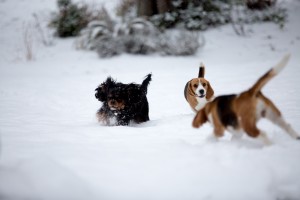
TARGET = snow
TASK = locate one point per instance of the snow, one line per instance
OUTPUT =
(52, 146)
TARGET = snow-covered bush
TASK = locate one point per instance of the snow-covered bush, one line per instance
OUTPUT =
(137, 36)
(179, 43)
(140, 37)
(274, 14)
(260, 4)
(165, 20)
(241, 16)
(126, 9)
(71, 18)
(196, 15)
(204, 14)
(95, 30)
(91, 34)
(197, 18)
(109, 46)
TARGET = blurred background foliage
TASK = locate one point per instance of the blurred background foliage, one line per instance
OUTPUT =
(149, 26)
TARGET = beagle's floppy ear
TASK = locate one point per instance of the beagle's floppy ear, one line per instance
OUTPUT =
(209, 92)
(201, 71)
(200, 118)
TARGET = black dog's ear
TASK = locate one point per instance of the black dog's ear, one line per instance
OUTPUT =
(103, 89)
(100, 93)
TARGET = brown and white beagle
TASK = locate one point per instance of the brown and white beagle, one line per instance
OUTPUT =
(198, 91)
(238, 113)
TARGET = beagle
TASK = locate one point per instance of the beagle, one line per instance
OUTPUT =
(198, 91)
(239, 113)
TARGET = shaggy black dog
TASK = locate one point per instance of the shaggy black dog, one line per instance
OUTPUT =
(122, 103)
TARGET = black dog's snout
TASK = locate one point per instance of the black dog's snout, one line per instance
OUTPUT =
(201, 91)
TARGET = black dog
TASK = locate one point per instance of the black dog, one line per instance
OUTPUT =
(123, 102)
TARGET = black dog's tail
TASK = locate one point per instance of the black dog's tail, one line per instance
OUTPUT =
(146, 82)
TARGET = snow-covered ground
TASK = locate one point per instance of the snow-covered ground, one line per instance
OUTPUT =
(52, 147)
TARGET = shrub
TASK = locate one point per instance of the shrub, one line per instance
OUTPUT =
(108, 46)
(138, 36)
(259, 4)
(70, 19)
(179, 43)
(91, 34)
(196, 15)
(204, 14)
(126, 9)
(275, 14)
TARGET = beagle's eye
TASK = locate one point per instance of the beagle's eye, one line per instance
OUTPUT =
(195, 85)
(203, 84)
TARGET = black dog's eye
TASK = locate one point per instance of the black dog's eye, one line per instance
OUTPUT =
(195, 85)
(204, 84)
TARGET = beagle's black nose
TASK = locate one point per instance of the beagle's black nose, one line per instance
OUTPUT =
(201, 91)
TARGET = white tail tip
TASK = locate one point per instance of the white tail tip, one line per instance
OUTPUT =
(277, 68)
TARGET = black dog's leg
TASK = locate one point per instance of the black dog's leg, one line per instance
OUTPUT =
(143, 112)
(123, 119)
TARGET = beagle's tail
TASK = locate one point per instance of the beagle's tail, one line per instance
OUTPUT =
(201, 71)
(262, 81)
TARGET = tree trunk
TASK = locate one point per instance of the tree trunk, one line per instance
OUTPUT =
(164, 6)
(146, 7)
(259, 4)
(152, 7)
